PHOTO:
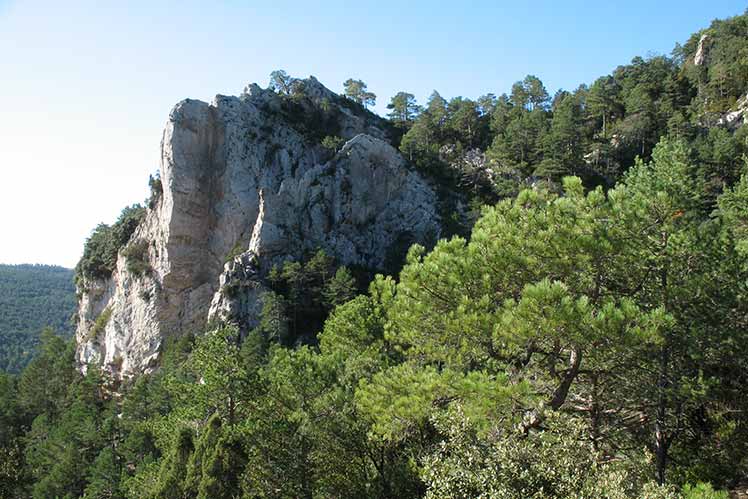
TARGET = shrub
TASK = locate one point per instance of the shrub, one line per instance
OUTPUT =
(332, 143)
(157, 190)
(702, 491)
(314, 120)
(99, 324)
(235, 251)
(101, 248)
(136, 255)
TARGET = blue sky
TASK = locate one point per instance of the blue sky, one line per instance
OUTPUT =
(86, 87)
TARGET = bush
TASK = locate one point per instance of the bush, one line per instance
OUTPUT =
(136, 255)
(100, 251)
(332, 143)
(235, 251)
(309, 119)
(157, 190)
(702, 491)
(99, 324)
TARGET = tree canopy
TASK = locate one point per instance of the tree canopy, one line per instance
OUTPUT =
(32, 297)
(585, 337)
(356, 90)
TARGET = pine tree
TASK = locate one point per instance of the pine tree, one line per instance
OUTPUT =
(403, 108)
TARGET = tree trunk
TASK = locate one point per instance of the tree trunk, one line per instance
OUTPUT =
(661, 438)
(604, 134)
(595, 415)
(558, 398)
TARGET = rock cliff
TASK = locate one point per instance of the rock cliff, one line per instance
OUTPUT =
(247, 184)
(737, 116)
(700, 56)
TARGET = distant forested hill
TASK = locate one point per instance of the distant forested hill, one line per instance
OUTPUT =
(32, 297)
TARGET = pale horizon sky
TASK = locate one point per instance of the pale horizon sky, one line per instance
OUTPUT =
(86, 86)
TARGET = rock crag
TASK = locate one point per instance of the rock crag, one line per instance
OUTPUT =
(247, 184)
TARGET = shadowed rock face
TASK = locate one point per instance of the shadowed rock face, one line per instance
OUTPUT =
(244, 175)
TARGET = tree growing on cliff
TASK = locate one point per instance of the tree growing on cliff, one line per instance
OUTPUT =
(281, 82)
(356, 91)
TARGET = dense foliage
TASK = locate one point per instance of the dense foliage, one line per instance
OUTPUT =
(587, 339)
(32, 297)
(101, 248)
(304, 293)
(317, 116)
(595, 131)
(578, 345)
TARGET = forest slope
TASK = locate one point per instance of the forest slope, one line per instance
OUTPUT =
(32, 297)
(586, 337)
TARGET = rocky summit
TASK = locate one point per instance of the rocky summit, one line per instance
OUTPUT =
(246, 184)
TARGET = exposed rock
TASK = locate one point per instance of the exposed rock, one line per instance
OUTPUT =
(740, 491)
(701, 50)
(738, 117)
(248, 173)
(360, 206)
(239, 296)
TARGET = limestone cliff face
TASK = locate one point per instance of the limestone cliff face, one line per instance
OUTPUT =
(702, 48)
(247, 176)
(736, 117)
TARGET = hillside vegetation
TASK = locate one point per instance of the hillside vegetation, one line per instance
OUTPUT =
(32, 297)
(586, 337)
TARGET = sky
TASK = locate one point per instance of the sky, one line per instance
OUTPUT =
(86, 87)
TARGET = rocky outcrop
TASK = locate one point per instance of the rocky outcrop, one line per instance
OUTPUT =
(247, 176)
(738, 116)
(702, 49)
